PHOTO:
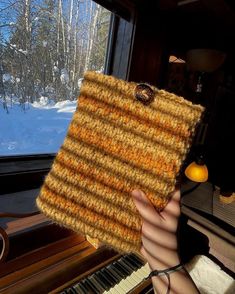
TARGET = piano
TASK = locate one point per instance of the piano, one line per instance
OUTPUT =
(123, 275)
(71, 264)
(119, 274)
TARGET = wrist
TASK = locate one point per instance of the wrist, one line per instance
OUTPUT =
(161, 262)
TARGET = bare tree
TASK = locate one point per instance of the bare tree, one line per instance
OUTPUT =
(49, 44)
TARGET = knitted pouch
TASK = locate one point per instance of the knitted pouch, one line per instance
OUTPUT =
(123, 136)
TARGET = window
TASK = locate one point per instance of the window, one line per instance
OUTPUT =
(45, 48)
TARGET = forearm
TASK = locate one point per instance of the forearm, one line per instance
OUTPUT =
(180, 283)
(180, 280)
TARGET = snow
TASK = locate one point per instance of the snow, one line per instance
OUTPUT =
(40, 128)
(64, 77)
(7, 78)
(23, 51)
(80, 82)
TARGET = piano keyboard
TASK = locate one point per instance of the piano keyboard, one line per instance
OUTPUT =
(119, 277)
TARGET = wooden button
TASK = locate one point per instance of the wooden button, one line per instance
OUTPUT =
(144, 94)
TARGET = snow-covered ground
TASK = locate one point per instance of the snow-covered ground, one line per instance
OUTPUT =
(41, 128)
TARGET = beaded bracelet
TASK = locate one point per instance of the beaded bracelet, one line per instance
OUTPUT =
(167, 273)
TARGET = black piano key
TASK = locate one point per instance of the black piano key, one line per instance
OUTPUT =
(86, 287)
(105, 279)
(114, 272)
(127, 267)
(99, 288)
(109, 276)
(78, 289)
(137, 259)
(73, 291)
(131, 260)
(127, 263)
(69, 291)
(132, 265)
(122, 270)
(89, 287)
(128, 271)
(101, 281)
(118, 272)
(92, 286)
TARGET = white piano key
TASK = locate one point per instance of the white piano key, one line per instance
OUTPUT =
(124, 284)
(119, 288)
(135, 278)
(146, 269)
(112, 291)
(130, 282)
(138, 275)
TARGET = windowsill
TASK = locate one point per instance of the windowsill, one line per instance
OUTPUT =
(19, 202)
(26, 224)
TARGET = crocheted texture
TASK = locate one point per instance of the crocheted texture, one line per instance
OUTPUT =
(116, 144)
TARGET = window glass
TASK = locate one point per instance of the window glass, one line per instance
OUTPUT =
(45, 48)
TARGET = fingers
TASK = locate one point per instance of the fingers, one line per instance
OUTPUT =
(161, 260)
(158, 235)
(167, 219)
(145, 208)
(173, 207)
(172, 210)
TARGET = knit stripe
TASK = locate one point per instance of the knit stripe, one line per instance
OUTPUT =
(155, 117)
(113, 178)
(72, 141)
(127, 89)
(89, 216)
(71, 221)
(86, 181)
(131, 121)
(104, 177)
(110, 160)
(107, 209)
(131, 131)
(127, 153)
(100, 174)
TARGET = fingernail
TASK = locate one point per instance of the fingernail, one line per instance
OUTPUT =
(137, 194)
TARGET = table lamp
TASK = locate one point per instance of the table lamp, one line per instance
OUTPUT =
(197, 171)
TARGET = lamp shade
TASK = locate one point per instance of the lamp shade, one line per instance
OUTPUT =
(204, 60)
(197, 172)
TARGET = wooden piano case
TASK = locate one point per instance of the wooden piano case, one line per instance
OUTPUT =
(49, 258)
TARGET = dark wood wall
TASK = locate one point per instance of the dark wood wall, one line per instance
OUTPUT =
(175, 30)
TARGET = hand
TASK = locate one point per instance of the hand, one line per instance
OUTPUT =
(159, 240)
(159, 243)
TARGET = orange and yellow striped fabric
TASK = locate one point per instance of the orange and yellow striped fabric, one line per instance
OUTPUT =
(116, 144)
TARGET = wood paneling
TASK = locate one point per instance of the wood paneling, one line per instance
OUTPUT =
(149, 53)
